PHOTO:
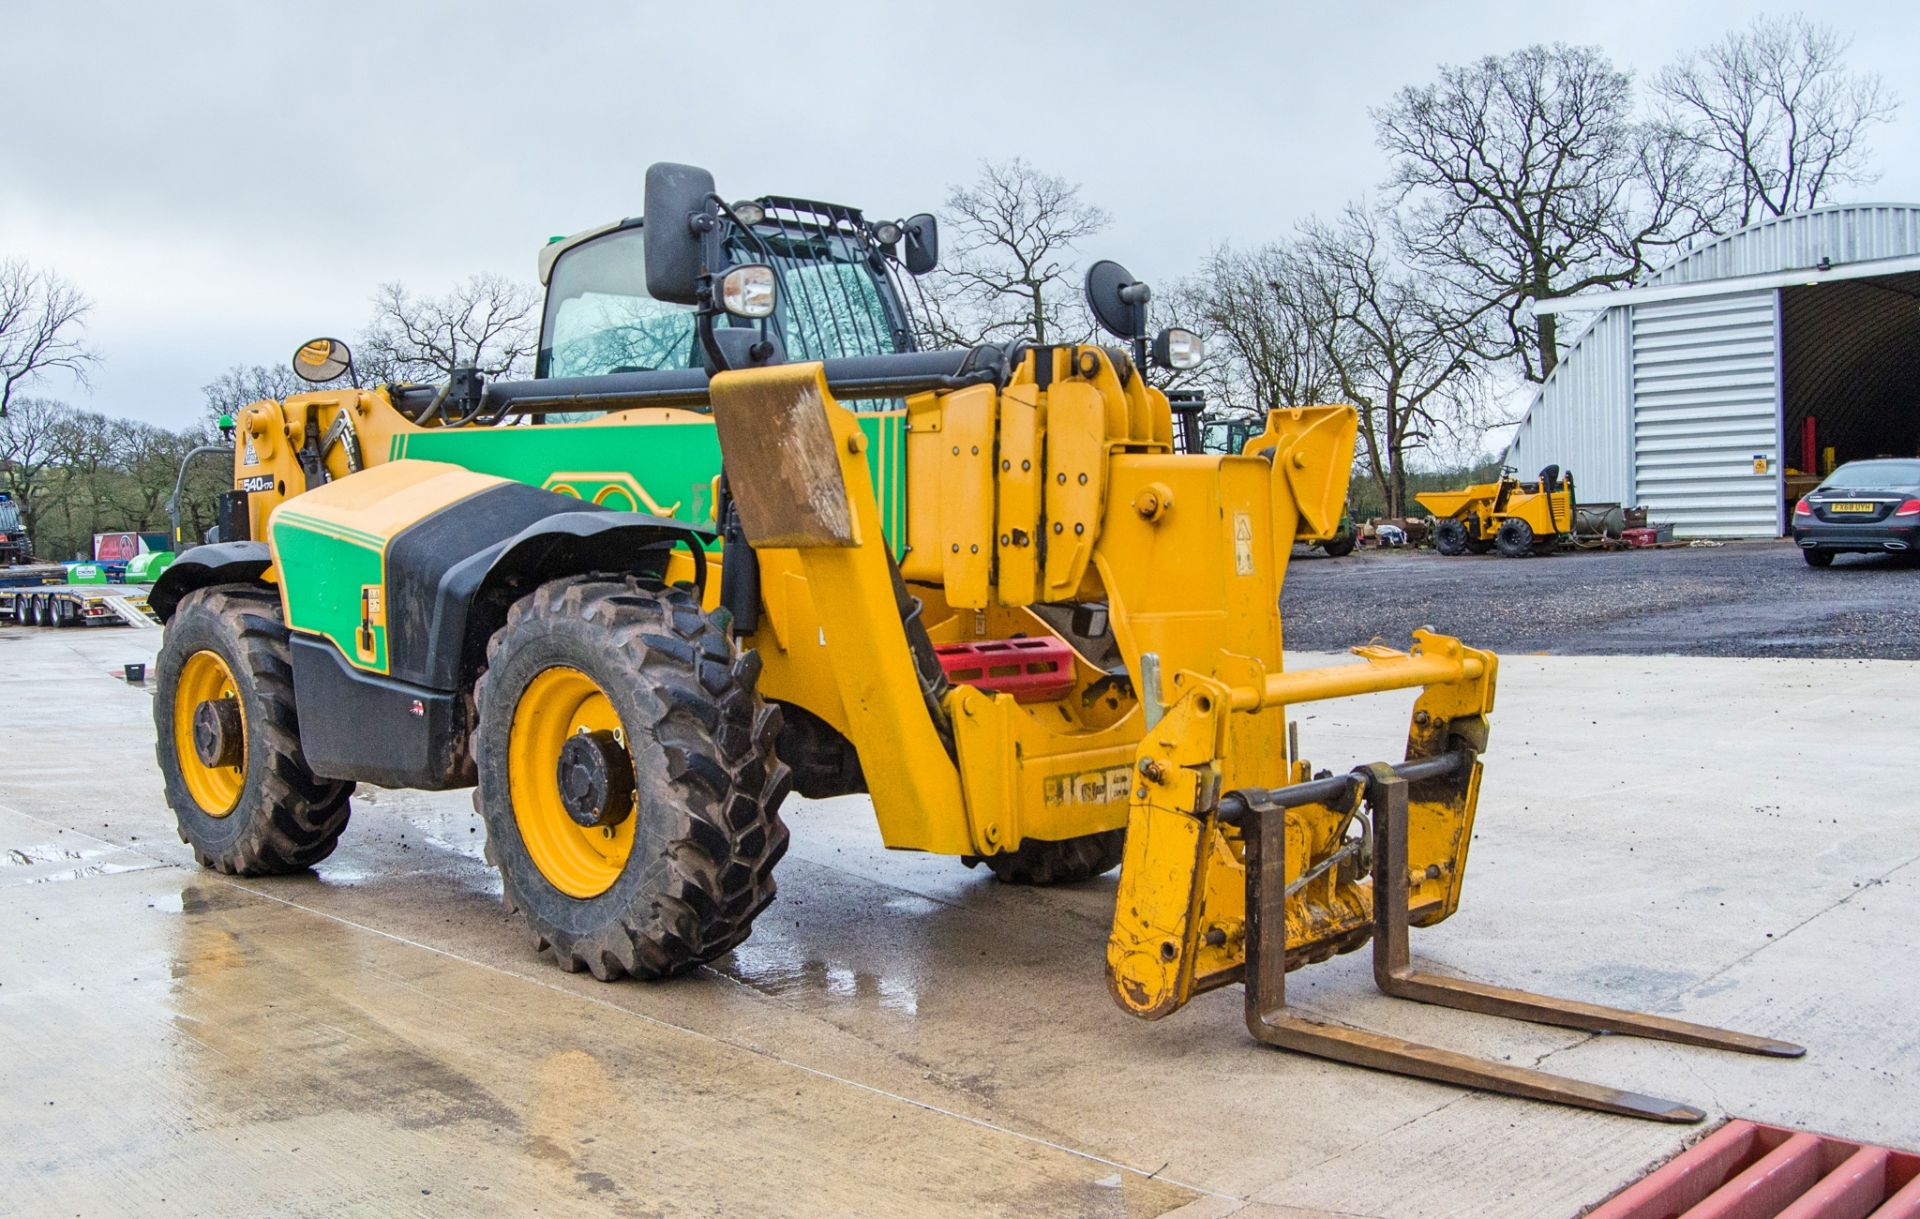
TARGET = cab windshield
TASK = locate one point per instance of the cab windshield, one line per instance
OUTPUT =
(832, 302)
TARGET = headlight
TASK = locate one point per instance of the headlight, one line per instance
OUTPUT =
(748, 290)
(1176, 348)
(749, 212)
(887, 233)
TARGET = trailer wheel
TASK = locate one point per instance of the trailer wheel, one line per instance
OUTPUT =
(229, 738)
(628, 777)
(1066, 862)
(1450, 537)
(1515, 538)
(42, 612)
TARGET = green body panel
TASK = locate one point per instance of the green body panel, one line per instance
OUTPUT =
(666, 469)
(330, 565)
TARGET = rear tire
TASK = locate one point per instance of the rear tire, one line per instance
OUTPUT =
(268, 813)
(1514, 539)
(1450, 537)
(1818, 558)
(683, 861)
(1069, 861)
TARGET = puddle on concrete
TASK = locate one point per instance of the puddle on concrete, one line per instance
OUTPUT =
(47, 852)
(779, 970)
(96, 869)
(45, 862)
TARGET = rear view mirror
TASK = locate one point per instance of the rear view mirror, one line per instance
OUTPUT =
(923, 244)
(677, 213)
(321, 360)
(1118, 300)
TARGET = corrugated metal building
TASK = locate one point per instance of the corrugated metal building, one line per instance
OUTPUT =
(1708, 392)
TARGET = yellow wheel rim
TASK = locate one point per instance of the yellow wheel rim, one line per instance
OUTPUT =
(206, 678)
(580, 861)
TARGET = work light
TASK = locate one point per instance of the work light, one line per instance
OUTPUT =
(1177, 348)
(748, 290)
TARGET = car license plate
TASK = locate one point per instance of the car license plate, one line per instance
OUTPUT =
(1851, 506)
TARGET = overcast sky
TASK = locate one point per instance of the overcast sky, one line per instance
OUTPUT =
(226, 181)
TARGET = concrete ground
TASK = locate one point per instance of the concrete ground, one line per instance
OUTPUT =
(1740, 599)
(1726, 841)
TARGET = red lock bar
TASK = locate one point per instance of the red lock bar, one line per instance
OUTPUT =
(1035, 669)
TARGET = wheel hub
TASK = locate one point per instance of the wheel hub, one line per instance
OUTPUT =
(218, 735)
(596, 779)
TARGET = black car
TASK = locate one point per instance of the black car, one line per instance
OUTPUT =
(1865, 506)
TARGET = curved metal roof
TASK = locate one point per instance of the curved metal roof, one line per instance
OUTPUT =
(1841, 233)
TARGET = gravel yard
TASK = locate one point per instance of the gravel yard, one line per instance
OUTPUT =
(1741, 599)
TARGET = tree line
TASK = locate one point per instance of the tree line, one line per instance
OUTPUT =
(74, 472)
(1538, 173)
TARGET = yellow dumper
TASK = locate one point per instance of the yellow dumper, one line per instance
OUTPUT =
(1516, 518)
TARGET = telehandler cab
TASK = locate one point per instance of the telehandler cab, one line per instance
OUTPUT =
(775, 546)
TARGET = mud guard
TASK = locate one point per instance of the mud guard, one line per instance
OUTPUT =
(205, 566)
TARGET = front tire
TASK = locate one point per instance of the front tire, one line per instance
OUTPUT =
(1514, 538)
(235, 777)
(661, 859)
(1450, 537)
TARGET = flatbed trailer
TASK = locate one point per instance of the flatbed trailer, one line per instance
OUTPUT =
(77, 605)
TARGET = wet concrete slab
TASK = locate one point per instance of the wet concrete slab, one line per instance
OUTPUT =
(901, 1035)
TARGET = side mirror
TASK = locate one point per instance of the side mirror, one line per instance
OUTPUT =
(923, 243)
(1118, 300)
(321, 360)
(677, 215)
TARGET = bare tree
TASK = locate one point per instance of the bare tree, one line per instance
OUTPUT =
(27, 450)
(87, 448)
(1774, 108)
(244, 384)
(1397, 348)
(41, 316)
(1263, 331)
(1009, 269)
(1528, 176)
(487, 322)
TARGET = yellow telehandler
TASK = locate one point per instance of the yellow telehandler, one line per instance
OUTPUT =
(738, 536)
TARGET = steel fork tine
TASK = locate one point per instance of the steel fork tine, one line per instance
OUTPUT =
(1394, 973)
(1269, 1020)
